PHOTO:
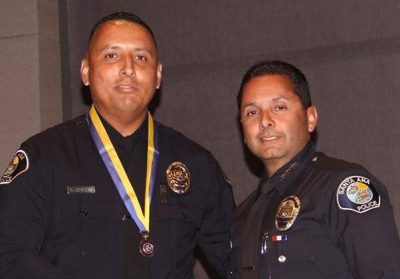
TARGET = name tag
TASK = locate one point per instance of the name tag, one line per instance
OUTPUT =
(81, 190)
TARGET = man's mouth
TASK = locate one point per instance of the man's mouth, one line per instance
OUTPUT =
(268, 138)
(127, 87)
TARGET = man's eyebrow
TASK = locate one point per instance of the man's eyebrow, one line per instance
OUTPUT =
(116, 47)
(278, 98)
(245, 105)
(112, 47)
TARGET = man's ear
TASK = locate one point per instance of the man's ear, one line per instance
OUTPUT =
(85, 71)
(159, 75)
(312, 118)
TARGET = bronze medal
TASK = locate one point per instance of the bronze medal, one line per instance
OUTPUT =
(178, 178)
(287, 213)
(146, 248)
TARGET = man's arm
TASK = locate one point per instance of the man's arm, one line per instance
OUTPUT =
(25, 212)
(362, 221)
(214, 235)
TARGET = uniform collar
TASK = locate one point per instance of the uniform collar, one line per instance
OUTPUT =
(282, 178)
(126, 144)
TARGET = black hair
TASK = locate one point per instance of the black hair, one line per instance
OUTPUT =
(276, 67)
(126, 16)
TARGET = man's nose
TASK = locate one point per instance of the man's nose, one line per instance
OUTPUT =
(266, 121)
(127, 68)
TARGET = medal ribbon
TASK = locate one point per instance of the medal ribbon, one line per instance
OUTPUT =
(114, 166)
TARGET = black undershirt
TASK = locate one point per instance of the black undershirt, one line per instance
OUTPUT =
(132, 151)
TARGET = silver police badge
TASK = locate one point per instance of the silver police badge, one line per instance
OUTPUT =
(287, 213)
(18, 165)
(178, 177)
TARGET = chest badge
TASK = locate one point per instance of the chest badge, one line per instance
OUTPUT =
(178, 177)
(288, 210)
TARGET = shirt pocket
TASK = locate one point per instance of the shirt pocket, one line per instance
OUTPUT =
(293, 257)
(175, 233)
(85, 227)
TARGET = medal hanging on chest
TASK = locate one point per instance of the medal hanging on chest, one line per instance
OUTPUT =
(121, 181)
(146, 247)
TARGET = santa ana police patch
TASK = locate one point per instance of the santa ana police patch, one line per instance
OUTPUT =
(18, 165)
(356, 193)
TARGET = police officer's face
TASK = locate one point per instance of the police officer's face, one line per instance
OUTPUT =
(121, 68)
(275, 124)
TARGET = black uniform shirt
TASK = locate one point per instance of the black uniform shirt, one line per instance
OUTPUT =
(344, 227)
(61, 216)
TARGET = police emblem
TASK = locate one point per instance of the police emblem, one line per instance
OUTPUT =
(287, 213)
(356, 193)
(18, 165)
(178, 177)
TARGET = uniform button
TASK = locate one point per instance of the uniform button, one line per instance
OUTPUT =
(84, 212)
(282, 259)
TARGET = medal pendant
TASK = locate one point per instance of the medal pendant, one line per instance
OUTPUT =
(146, 248)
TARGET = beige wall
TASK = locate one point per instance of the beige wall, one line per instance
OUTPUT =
(30, 76)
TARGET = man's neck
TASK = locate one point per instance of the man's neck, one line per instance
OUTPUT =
(125, 123)
(273, 165)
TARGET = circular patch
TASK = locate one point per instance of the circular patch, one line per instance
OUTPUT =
(356, 193)
(288, 210)
(359, 193)
(178, 177)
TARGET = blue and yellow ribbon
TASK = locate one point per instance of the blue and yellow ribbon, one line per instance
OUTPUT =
(114, 166)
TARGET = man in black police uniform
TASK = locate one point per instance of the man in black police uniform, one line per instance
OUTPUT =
(113, 194)
(312, 216)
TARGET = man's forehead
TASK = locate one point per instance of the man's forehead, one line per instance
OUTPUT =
(116, 34)
(109, 28)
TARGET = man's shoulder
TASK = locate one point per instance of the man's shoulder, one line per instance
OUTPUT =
(356, 189)
(55, 135)
(180, 143)
(335, 165)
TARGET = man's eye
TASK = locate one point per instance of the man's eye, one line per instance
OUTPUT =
(141, 58)
(280, 107)
(250, 113)
(110, 56)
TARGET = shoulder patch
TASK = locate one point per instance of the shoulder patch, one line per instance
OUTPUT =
(18, 165)
(356, 193)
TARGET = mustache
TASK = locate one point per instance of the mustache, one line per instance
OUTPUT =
(126, 82)
(267, 133)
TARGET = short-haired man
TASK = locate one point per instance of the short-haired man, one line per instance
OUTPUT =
(113, 194)
(312, 216)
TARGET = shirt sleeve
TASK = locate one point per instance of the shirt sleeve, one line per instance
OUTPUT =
(362, 225)
(214, 235)
(25, 211)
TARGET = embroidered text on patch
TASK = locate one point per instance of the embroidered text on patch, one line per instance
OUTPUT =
(356, 193)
